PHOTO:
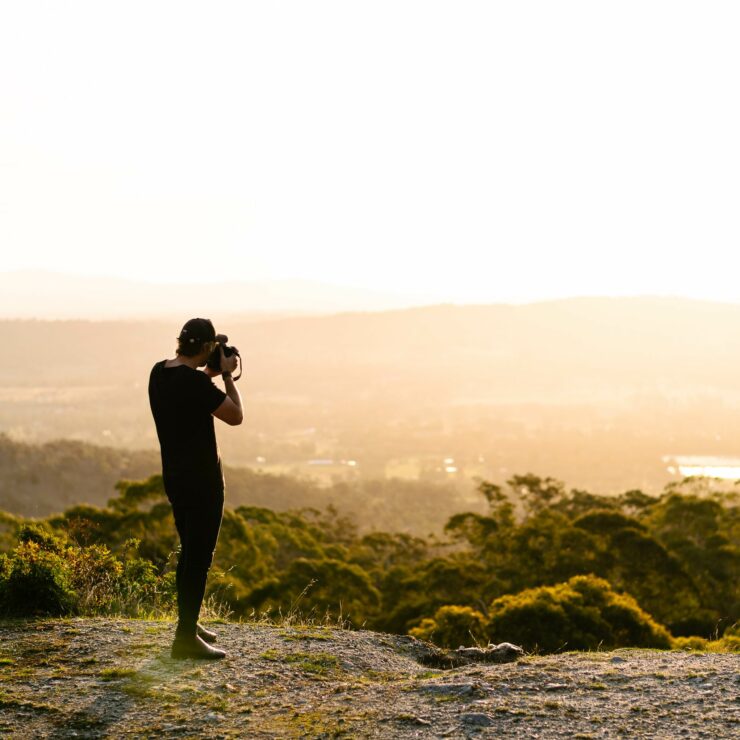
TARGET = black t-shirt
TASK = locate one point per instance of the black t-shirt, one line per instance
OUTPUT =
(182, 400)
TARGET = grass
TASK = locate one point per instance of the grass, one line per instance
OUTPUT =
(429, 674)
(8, 701)
(316, 663)
(111, 674)
(138, 690)
(306, 724)
(444, 698)
(726, 644)
(212, 701)
(295, 617)
(307, 633)
(383, 676)
(320, 663)
(514, 711)
(19, 674)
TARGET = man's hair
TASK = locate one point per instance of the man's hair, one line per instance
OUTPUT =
(190, 349)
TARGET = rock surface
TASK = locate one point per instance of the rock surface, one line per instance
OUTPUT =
(503, 653)
(88, 678)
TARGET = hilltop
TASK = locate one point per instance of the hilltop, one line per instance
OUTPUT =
(91, 677)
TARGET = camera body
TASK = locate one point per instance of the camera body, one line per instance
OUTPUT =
(214, 359)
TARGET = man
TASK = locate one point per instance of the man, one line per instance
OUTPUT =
(184, 401)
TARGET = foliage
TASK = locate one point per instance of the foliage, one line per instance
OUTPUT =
(536, 562)
(676, 554)
(45, 574)
(42, 479)
(452, 626)
(726, 644)
(35, 581)
(582, 614)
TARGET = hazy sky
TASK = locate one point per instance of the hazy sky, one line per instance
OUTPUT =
(475, 151)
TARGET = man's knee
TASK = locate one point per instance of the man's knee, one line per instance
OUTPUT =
(197, 560)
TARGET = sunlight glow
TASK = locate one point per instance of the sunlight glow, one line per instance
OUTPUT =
(469, 152)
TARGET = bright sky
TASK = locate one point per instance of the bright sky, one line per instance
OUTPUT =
(476, 151)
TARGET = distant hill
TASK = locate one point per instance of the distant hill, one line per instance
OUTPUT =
(37, 480)
(573, 350)
(43, 294)
(596, 391)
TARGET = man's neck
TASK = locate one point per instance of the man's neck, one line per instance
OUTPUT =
(183, 360)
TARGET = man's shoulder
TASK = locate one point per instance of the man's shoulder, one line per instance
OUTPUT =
(156, 367)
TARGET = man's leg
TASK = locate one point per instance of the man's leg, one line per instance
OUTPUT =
(198, 523)
(181, 584)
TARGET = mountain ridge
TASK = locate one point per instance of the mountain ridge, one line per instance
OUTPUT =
(48, 294)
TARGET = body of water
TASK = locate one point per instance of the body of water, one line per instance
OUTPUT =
(727, 468)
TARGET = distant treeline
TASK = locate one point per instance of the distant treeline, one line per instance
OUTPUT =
(541, 565)
(561, 388)
(45, 479)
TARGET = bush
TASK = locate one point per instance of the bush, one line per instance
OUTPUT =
(452, 627)
(35, 581)
(726, 644)
(44, 575)
(690, 643)
(44, 538)
(582, 614)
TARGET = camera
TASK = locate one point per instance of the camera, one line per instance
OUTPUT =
(214, 359)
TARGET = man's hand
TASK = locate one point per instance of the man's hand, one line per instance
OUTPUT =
(228, 364)
(230, 409)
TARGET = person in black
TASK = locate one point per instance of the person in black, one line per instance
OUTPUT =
(184, 401)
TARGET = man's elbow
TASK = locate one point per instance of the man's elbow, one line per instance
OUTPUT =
(232, 417)
(229, 413)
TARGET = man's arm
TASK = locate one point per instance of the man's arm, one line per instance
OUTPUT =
(230, 410)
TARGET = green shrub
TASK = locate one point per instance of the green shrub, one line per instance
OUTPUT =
(726, 644)
(690, 643)
(95, 575)
(733, 630)
(45, 576)
(44, 538)
(35, 581)
(141, 592)
(452, 627)
(582, 614)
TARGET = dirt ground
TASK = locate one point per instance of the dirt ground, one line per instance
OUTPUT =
(91, 678)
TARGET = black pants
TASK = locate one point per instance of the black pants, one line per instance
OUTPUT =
(198, 521)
